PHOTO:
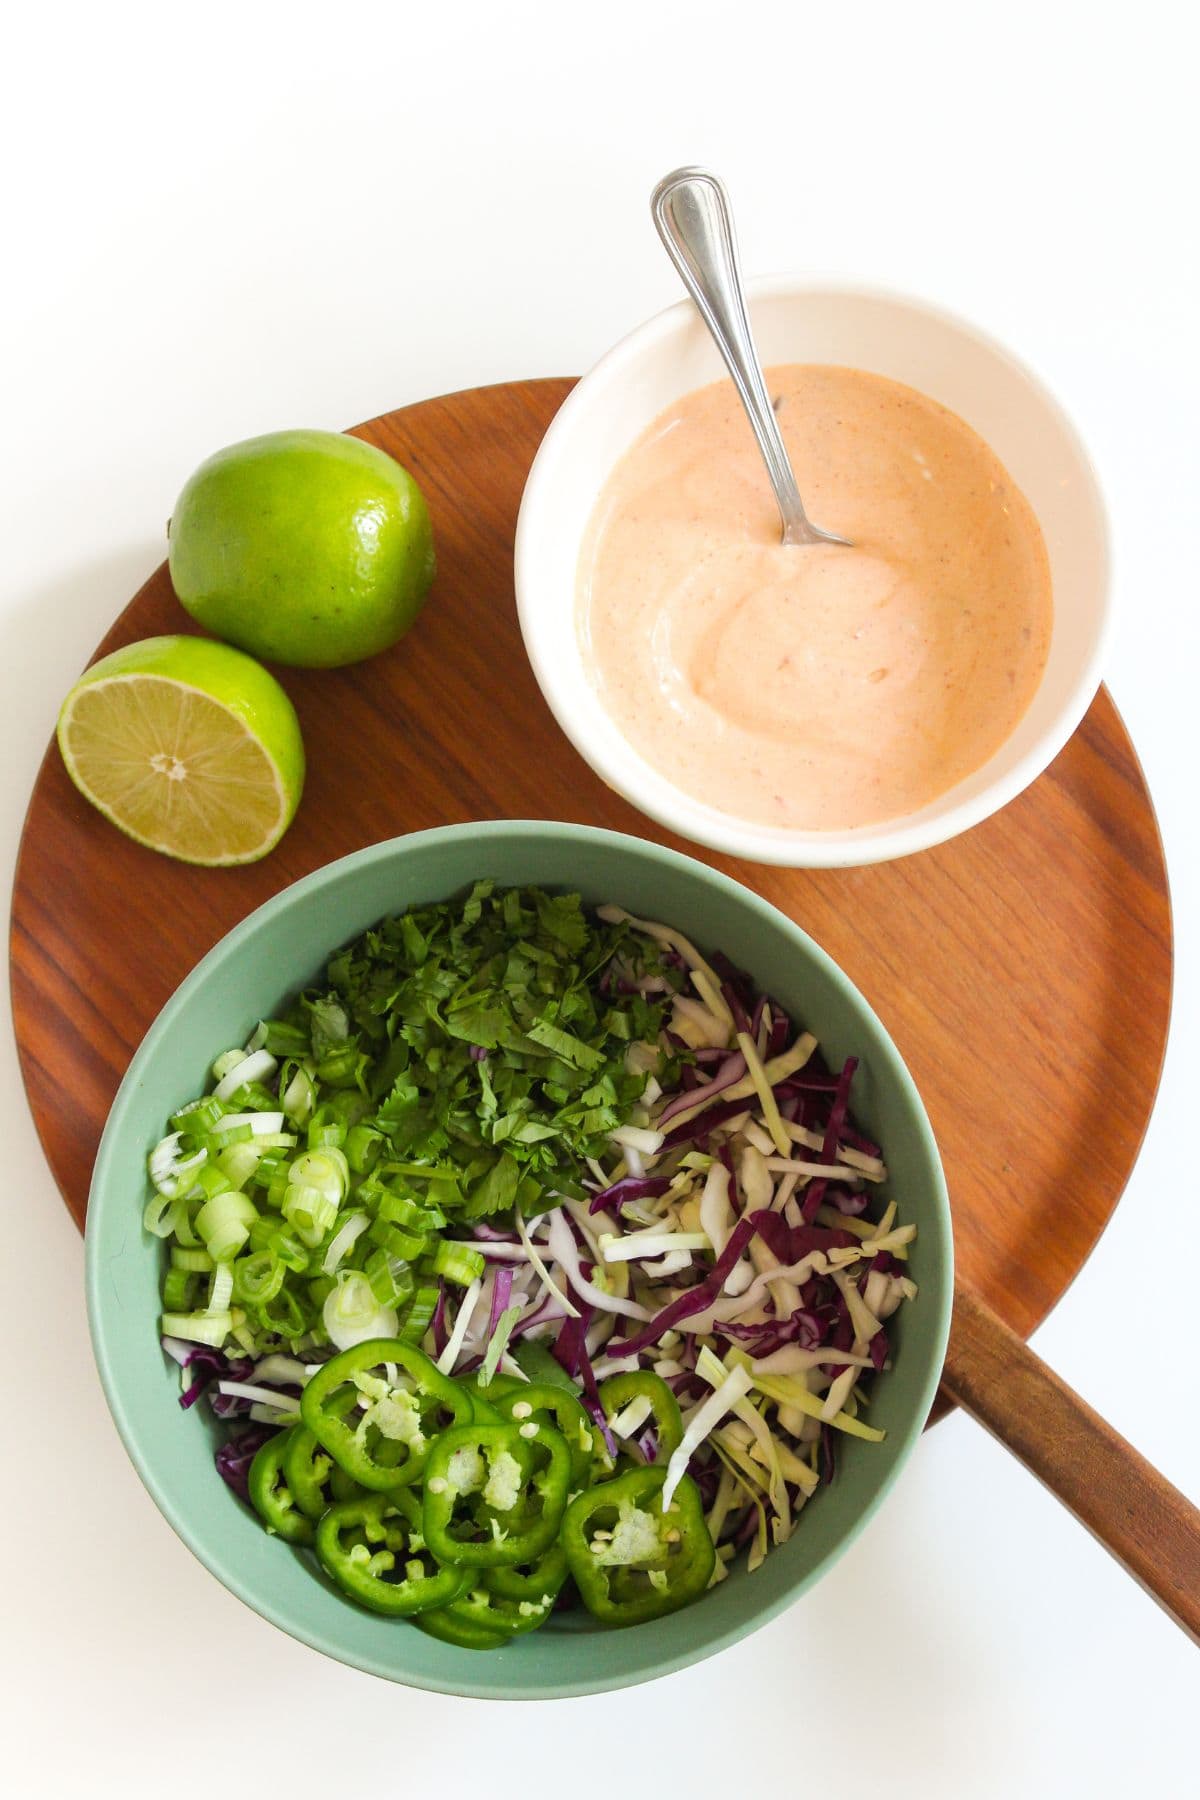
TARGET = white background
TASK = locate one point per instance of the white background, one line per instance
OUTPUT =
(224, 219)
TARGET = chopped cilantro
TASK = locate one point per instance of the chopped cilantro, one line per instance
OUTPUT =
(489, 1036)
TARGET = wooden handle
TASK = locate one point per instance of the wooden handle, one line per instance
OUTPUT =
(1148, 1525)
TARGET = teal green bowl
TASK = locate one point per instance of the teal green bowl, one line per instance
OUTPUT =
(281, 947)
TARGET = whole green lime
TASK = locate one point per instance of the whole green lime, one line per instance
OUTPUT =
(304, 547)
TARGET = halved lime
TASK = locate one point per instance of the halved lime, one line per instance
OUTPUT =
(189, 746)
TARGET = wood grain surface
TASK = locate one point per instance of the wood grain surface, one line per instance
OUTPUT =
(1148, 1525)
(1024, 969)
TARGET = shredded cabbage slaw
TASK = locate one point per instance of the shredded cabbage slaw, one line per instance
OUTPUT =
(586, 1135)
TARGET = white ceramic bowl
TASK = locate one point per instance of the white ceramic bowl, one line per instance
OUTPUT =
(798, 320)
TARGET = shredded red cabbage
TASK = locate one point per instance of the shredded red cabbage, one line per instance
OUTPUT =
(747, 1528)
(737, 990)
(698, 1130)
(838, 1111)
(501, 1294)
(805, 1328)
(570, 1349)
(544, 1314)
(441, 1337)
(630, 1187)
(569, 1346)
(792, 1243)
(731, 1070)
(213, 1365)
(695, 1299)
(781, 1031)
(708, 1480)
(812, 1198)
(845, 1200)
(805, 1081)
(857, 1141)
(235, 1455)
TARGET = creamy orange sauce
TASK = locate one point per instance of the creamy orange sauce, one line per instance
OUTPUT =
(815, 687)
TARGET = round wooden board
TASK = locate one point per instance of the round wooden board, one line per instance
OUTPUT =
(1024, 969)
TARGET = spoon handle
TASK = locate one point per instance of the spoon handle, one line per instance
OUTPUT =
(692, 214)
(1149, 1526)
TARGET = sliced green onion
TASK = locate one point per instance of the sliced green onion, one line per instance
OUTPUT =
(344, 1240)
(257, 1277)
(326, 1170)
(268, 1166)
(288, 1248)
(197, 1117)
(236, 1134)
(185, 1224)
(299, 1096)
(498, 1342)
(179, 1290)
(197, 1262)
(210, 1181)
(407, 1245)
(399, 1209)
(262, 1231)
(351, 1313)
(253, 1097)
(220, 1288)
(278, 1186)
(391, 1278)
(284, 1314)
(310, 1211)
(418, 1313)
(160, 1215)
(280, 1038)
(255, 1067)
(224, 1223)
(197, 1328)
(458, 1262)
(363, 1145)
(329, 1134)
(239, 1162)
(246, 1339)
(170, 1170)
(259, 1124)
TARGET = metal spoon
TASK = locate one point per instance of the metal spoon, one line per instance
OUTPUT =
(693, 217)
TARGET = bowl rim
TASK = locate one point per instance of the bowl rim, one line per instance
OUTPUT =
(654, 794)
(137, 1435)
